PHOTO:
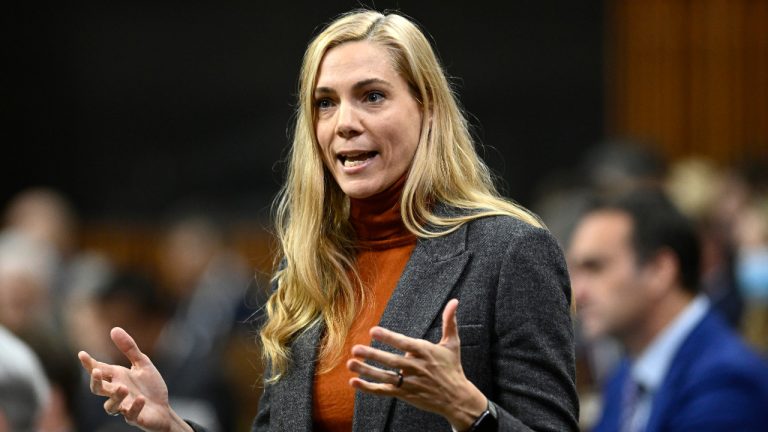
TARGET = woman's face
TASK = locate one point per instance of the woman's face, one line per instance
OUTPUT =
(368, 123)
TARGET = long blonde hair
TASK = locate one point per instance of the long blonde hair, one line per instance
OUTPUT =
(317, 280)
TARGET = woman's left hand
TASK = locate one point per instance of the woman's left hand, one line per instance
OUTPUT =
(432, 377)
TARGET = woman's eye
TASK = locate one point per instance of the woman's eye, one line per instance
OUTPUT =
(323, 104)
(374, 97)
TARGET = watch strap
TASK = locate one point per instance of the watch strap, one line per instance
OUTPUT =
(487, 421)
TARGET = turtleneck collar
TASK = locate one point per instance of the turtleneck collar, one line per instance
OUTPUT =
(377, 219)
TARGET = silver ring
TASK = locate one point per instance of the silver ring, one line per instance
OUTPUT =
(399, 379)
(114, 414)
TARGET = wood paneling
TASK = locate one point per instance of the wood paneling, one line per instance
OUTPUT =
(690, 74)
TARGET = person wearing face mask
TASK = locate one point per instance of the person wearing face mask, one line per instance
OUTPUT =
(751, 271)
(410, 294)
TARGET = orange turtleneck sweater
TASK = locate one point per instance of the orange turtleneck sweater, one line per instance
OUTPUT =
(385, 246)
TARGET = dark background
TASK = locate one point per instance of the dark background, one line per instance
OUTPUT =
(131, 108)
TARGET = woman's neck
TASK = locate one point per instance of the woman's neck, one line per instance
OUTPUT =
(377, 220)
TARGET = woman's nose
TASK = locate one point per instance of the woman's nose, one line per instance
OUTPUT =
(348, 121)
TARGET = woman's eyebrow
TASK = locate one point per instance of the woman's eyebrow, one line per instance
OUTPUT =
(357, 86)
(369, 81)
(319, 91)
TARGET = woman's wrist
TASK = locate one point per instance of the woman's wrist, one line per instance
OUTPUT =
(463, 415)
(178, 424)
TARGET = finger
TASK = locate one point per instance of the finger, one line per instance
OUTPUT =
(87, 361)
(373, 373)
(98, 385)
(112, 405)
(125, 343)
(382, 357)
(450, 326)
(374, 388)
(397, 340)
(89, 364)
(132, 415)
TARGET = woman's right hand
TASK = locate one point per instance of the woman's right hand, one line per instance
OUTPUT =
(138, 393)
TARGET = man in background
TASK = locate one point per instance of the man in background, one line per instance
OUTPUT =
(634, 264)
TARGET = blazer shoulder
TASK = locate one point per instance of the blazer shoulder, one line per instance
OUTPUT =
(716, 380)
(714, 347)
(502, 233)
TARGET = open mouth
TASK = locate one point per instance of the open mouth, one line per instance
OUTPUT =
(355, 159)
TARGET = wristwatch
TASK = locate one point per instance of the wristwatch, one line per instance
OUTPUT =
(488, 421)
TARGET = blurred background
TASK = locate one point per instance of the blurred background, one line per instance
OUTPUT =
(144, 143)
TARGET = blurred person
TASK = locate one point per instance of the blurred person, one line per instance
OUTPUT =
(207, 282)
(634, 263)
(46, 216)
(212, 292)
(751, 235)
(711, 198)
(26, 273)
(610, 167)
(389, 216)
(45, 284)
(24, 391)
(28, 270)
(63, 375)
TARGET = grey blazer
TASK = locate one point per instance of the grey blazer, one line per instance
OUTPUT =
(515, 327)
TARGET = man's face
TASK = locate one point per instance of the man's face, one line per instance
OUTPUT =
(608, 285)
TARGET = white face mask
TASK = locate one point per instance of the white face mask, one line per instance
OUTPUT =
(752, 274)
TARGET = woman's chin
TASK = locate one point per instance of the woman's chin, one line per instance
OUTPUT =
(356, 193)
(360, 188)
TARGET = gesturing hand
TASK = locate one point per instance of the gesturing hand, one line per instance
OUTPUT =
(138, 393)
(431, 377)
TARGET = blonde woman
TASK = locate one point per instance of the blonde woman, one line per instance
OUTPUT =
(410, 296)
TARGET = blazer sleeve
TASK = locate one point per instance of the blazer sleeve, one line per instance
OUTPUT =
(261, 422)
(533, 356)
(196, 427)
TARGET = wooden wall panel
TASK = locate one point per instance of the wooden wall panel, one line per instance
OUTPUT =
(690, 74)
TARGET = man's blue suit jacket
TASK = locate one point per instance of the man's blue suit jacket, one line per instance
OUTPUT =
(714, 383)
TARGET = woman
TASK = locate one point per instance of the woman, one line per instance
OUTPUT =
(389, 217)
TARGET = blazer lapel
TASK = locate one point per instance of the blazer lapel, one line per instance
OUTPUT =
(427, 280)
(689, 351)
(292, 403)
